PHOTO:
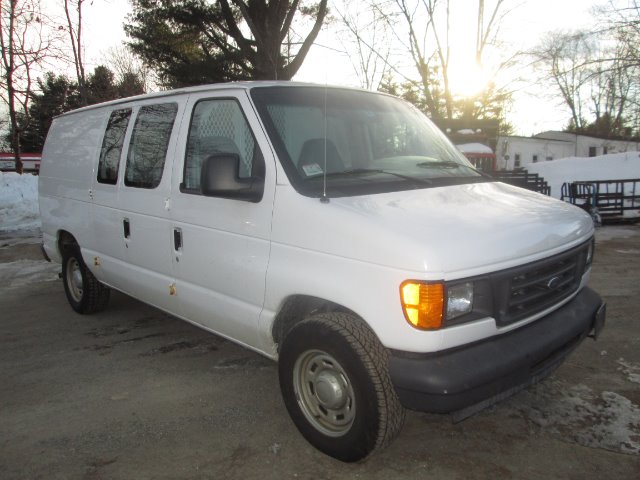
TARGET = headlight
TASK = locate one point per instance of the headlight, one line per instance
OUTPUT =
(459, 300)
(590, 252)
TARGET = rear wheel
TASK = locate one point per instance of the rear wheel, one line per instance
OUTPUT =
(335, 384)
(84, 292)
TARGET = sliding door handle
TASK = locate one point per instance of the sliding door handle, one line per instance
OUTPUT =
(177, 239)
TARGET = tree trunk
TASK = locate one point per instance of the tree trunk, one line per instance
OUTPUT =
(8, 57)
(15, 130)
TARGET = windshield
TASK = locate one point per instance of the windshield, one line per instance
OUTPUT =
(364, 143)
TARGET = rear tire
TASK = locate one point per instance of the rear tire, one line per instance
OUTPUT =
(84, 292)
(335, 384)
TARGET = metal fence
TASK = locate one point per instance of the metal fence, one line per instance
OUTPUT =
(614, 199)
(522, 178)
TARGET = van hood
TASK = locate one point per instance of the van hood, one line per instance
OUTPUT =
(440, 233)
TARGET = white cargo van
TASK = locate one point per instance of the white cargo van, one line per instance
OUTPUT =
(334, 230)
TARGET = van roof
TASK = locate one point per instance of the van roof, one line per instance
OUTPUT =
(244, 85)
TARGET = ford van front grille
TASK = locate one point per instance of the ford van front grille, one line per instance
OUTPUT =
(525, 291)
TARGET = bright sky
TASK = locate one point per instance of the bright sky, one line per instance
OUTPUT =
(531, 113)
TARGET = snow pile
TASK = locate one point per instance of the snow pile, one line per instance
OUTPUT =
(577, 414)
(616, 166)
(24, 272)
(18, 202)
(474, 148)
(630, 370)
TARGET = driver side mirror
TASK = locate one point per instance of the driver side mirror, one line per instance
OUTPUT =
(219, 178)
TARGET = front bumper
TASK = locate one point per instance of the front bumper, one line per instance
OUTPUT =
(469, 378)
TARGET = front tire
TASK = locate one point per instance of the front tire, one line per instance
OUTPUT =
(84, 292)
(335, 384)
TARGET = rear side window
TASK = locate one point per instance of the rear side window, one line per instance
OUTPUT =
(148, 145)
(112, 146)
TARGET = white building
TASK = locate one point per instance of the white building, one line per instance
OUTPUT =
(517, 152)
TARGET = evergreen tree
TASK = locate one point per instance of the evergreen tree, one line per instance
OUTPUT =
(195, 41)
(58, 94)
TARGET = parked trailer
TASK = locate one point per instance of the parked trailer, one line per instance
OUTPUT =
(30, 162)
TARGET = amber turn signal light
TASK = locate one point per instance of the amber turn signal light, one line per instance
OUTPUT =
(423, 304)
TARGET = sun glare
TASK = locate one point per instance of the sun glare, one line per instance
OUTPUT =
(467, 79)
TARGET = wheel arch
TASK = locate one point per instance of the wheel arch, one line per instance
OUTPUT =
(65, 242)
(296, 308)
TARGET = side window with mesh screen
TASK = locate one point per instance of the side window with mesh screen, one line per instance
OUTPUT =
(112, 146)
(219, 126)
(148, 145)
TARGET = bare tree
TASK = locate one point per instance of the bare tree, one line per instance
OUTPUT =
(428, 39)
(619, 23)
(488, 30)
(74, 24)
(27, 42)
(596, 80)
(367, 41)
(611, 87)
(423, 56)
(123, 62)
(562, 58)
(622, 21)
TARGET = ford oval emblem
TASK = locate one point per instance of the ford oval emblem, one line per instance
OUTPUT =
(553, 283)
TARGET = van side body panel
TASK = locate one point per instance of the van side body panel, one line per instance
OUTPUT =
(220, 267)
(66, 176)
(148, 269)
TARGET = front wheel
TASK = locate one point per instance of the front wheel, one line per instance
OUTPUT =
(84, 292)
(335, 384)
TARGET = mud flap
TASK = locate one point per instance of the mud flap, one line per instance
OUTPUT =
(598, 322)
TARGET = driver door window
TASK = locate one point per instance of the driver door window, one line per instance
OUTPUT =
(219, 126)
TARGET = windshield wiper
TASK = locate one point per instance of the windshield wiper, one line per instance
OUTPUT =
(365, 171)
(443, 164)
(450, 164)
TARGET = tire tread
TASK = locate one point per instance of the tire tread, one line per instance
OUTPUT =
(375, 359)
(95, 295)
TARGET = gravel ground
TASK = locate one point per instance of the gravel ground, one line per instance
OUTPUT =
(134, 393)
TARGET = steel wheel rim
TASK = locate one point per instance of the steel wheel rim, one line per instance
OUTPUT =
(324, 393)
(74, 279)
